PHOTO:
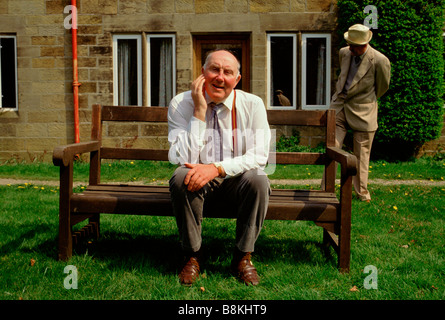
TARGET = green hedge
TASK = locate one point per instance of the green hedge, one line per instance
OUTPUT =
(409, 33)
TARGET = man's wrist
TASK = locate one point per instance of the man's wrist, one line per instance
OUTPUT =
(219, 167)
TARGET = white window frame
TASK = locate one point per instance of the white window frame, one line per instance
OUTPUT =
(327, 36)
(148, 65)
(294, 71)
(136, 37)
(16, 79)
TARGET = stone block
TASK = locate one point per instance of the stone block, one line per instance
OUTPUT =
(41, 144)
(184, 6)
(156, 6)
(96, 50)
(34, 130)
(154, 130)
(86, 40)
(209, 6)
(26, 7)
(12, 144)
(85, 62)
(122, 130)
(55, 6)
(52, 74)
(44, 117)
(319, 5)
(52, 51)
(101, 74)
(133, 6)
(88, 87)
(89, 29)
(99, 6)
(297, 5)
(237, 6)
(8, 130)
(265, 6)
(43, 40)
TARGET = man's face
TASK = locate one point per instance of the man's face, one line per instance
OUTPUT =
(357, 50)
(221, 75)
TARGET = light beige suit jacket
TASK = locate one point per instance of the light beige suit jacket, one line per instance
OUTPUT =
(370, 82)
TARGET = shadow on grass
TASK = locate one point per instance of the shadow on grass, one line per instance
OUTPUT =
(162, 253)
(28, 241)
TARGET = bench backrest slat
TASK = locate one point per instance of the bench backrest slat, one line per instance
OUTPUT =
(134, 154)
(297, 117)
(159, 114)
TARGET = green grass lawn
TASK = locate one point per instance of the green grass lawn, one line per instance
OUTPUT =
(400, 233)
(150, 171)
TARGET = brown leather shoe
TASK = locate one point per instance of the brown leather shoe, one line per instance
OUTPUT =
(190, 271)
(244, 269)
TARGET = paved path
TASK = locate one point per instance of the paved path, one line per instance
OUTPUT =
(6, 181)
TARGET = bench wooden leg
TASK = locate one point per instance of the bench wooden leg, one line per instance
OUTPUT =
(344, 250)
(65, 236)
(65, 230)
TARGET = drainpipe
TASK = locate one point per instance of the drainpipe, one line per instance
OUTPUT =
(76, 84)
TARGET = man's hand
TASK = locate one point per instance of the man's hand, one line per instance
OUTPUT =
(199, 98)
(199, 175)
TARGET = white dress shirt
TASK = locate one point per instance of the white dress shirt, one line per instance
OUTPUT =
(188, 135)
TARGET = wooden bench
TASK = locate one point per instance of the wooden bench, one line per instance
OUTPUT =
(323, 207)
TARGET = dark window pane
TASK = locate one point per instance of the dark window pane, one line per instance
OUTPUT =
(316, 71)
(161, 71)
(282, 72)
(127, 72)
(8, 73)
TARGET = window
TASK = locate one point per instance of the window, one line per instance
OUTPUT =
(316, 71)
(161, 69)
(147, 79)
(307, 89)
(8, 72)
(282, 71)
(127, 66)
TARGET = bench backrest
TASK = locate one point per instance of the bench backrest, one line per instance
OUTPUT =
(316, 118)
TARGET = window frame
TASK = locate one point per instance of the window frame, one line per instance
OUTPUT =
(148, 37)
(14, 37)
(294, 71)
(116, 38)
(327, 36)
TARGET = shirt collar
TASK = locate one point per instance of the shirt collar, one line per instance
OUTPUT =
(228, 103)
(364, 53)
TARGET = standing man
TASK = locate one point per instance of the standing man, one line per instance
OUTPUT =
(220, 136)
(364, 77)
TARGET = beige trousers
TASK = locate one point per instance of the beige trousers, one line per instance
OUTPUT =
(362, 143)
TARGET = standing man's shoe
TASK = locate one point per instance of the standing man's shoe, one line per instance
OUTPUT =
(190, 271)
(243, 267)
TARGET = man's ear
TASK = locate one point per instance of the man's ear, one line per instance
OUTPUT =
(238, 78)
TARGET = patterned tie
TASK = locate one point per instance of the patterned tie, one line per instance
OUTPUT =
(216, 132)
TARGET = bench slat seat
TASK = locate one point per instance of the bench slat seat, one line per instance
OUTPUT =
(327, 208)
(155, 200)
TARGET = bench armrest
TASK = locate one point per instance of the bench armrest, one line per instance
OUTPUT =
(62, 155)
(348, 162)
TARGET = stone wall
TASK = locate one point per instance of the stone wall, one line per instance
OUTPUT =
(45, 114)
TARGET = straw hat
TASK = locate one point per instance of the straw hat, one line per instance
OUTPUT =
(358, 35)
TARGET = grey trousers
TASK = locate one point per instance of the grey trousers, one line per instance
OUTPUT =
(247, 193)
